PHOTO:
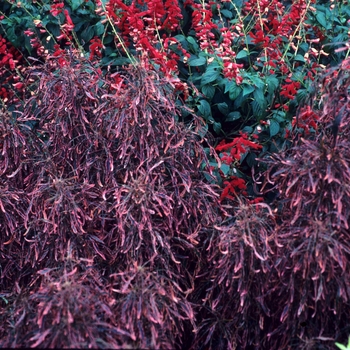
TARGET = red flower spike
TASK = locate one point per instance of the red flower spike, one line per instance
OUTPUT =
(95, 48)
(56, 9)
(233, 188)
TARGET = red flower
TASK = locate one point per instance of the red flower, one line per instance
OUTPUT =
(260, 38)
(306, 119)
(60, 54)
(18, 86)
(56, 9)
(95, 48)
(28, 32)
(237, 147)
(233, 187)
(256, 200)
(290, 89)
(70, 24)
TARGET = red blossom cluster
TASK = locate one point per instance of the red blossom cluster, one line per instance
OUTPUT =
(235, 148)
(141, 23)
(231, 69)
(117, 82)
(290, 89)
(6, 51)
(146, 26)
(34, 41)
(274, 25)
(307, 119)
(66, 29)
(202, 22)
(95, 48)
(172, 15)
(237, 186)
(233, 187)
(9, 60)
(61, 56)
(56, 9)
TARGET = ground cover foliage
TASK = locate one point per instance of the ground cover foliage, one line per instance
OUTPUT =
(312, 181)
(106, 177)
(174, 174)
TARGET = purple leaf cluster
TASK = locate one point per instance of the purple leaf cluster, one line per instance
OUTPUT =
(312, 266)
(103, 205)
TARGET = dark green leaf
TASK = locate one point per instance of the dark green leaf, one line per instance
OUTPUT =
(108, 39)
(226, 13)
(208, 91)
(27, 44)
(197, 61)
(257, 110)
(87, 34)
(279, 116)
(234, 90)
(209, 76)
(223, 108)
(120, 61)
(76, 4)
(257, 81)
(227, 84)
(248, 89)
(250, 159)
(272, 83)
(193, 43)
(242, 54)
(217, 127)
(215, 65)
(180, 38)
(299, 58)
(210, 120)
(6, 21)
(204, 108)
(274, 127)
(304, 46)
(225, 169)
(54, 29)
(99, 29)
(233, 116)
(247, 129)
(46, 7)
(11, 36)
(260, 98)
(83, 12)
(80, 24)
(240, 102)
(321, 18)
(301, 94)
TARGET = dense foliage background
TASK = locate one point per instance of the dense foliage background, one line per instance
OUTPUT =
(174, 174)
